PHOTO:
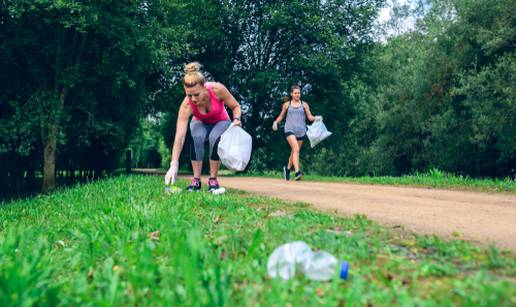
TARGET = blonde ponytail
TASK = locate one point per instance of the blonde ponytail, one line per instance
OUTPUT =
(193, 75)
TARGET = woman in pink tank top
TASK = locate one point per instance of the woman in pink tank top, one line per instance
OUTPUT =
(206, 101)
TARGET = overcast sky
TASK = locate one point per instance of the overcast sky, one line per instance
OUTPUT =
(385, 13)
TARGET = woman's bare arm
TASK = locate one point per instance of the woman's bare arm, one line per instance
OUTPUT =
(225, 95)
(309, 115)
(185, 111)
(284, 109)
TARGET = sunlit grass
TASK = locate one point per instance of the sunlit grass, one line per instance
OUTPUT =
(122, 241)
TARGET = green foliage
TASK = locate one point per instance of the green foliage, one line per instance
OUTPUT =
(78, 76)
(260, 48)
(441, 96)
(147, 145)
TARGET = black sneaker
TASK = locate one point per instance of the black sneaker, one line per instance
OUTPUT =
(298, 175)
(195, 185)
(213, 184)
(286, 173)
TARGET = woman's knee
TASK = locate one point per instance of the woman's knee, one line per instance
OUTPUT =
(198, 138)
(213, 140)
(217, 131)
(214, 146)
(198, 131)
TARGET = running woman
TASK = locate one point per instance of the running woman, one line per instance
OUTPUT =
(297, 112)
(205, 101)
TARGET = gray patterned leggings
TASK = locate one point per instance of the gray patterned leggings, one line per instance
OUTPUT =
(202, 132)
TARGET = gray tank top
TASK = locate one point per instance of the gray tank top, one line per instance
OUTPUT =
(296, 120)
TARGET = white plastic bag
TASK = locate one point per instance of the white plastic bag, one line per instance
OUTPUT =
(317, 132)
(235, 148)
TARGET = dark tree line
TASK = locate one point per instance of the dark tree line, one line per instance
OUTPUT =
(76, 78)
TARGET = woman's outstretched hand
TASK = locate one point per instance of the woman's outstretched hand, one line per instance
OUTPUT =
(171, 176)
(275, 126)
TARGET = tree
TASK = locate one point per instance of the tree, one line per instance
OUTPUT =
(260, 48)
(84, 62)
(442, 93)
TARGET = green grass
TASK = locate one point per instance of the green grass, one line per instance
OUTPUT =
(432, 179)
(98, 244)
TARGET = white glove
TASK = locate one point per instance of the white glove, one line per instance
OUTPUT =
(171, 176)
(275, 126)
(318, 118)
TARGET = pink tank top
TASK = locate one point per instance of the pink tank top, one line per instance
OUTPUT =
(217, 113)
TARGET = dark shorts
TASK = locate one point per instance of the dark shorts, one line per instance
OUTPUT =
(299, 138)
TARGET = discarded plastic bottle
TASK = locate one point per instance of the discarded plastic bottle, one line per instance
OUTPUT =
(284, 259)
(172, 190)
(320, 265)
(323, 266)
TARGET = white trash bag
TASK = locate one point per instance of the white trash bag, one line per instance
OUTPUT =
(235, 148)
(317, 132)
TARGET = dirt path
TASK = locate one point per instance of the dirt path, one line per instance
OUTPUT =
(480, 217)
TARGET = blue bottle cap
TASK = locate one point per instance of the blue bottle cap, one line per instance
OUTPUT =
(344, 269)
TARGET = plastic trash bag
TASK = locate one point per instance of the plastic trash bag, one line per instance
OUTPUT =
(235, 148)
(317, 132)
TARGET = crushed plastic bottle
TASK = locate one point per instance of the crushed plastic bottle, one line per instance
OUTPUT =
(323, 265)
(297, 256)
(172, 190)
(286, 258)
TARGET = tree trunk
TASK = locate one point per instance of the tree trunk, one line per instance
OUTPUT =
(49, 131)
(49, 163)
